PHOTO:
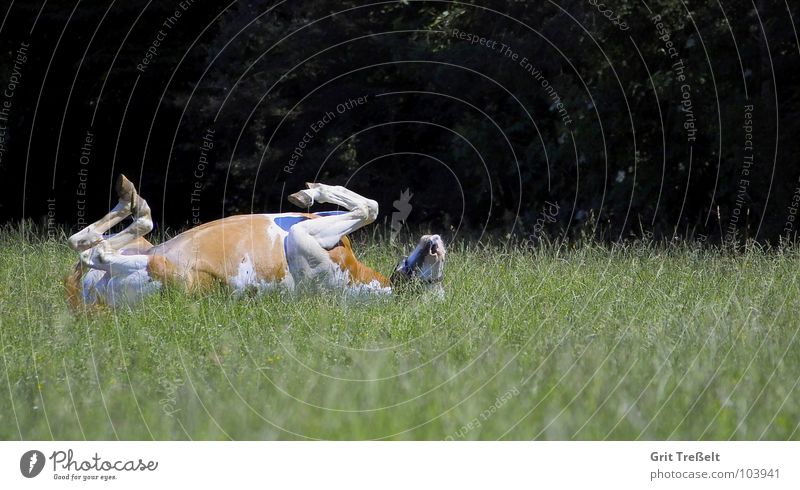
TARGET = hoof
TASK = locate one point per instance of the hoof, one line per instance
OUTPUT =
(301, 199)
(125, 189)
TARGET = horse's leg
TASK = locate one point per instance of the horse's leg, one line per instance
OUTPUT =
(110, 276)
(130, 203)
(308, 242)
(140, 212)
(127, 278)
(328, 230)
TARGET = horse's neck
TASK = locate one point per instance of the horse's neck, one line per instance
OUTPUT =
(367, 275)
(343, 255)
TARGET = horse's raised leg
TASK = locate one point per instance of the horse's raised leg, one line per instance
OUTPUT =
(113, 277)
(309, 242)
(328, 230)
(130, 203)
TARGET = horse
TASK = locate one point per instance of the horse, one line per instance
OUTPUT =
(288, 251)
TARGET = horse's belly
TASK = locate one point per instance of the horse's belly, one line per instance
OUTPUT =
(248, 276)
(245, 252)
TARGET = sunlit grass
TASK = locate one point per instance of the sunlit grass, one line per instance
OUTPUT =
(553, 343)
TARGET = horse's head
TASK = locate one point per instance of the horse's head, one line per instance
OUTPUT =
(425, 264)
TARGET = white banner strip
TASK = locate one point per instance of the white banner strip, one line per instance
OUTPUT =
(400, 465)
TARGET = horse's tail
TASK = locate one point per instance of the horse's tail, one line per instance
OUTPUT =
(73, 287)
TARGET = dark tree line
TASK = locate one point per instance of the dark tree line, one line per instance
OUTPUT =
(625, 118)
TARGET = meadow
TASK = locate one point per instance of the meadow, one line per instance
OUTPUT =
(588, 342)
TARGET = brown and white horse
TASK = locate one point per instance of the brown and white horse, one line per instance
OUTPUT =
(255, 251)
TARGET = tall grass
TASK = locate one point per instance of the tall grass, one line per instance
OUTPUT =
(624, 342)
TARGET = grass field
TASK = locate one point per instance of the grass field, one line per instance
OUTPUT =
(634, 342)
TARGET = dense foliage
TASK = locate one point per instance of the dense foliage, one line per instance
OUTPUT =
(616, 119)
